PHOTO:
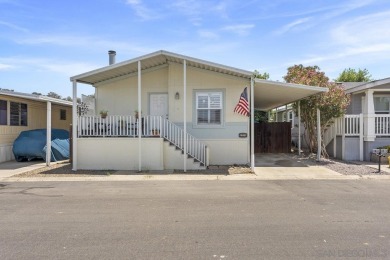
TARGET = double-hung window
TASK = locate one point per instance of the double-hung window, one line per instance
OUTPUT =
(209, 108)
(18, 114)
(3, 112)
(382, 104)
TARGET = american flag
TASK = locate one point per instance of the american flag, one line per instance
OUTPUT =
(242, 107)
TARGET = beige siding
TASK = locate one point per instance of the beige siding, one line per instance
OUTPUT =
(36, 119)
(203, 79)
(120, 97)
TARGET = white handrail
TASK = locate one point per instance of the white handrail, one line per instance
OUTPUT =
(382, 125)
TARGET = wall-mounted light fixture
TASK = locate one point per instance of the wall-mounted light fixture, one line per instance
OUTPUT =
(177, 96)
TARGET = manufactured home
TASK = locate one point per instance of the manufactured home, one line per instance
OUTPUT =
(169, 111)
(20, 112)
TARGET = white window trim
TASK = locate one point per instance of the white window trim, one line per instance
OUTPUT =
(196, 92)
(381, 111)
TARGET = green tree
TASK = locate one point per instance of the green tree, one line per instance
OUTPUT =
(351, 75)
(36, 93)
(53, 95)
(332, 104)
(258, 75)
(260, 116)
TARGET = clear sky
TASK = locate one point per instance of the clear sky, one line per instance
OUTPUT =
(44, 42)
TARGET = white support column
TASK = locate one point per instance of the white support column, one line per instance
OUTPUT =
(319, 141)
(252, 115)
(299, 128)
(74, 127)
(48, 133)
(369, 122)
(139, 123)
(185, 113)
(276, 114)
(361, 137)
(343, 138)
(335, 127)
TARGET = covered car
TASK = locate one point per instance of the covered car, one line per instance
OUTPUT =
(31, 145)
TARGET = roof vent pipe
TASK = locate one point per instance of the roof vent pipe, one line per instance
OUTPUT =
(111, 56)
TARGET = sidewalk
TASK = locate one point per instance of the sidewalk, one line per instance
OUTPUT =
(9, 169)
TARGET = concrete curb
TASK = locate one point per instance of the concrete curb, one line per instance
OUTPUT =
(187, 177)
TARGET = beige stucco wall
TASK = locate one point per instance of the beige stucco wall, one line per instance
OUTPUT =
(227, 151)
(119, 153)
(36, 119)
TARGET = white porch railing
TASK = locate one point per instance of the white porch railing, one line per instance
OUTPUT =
(382, 125)
(346, 126)
(151, 126)
(352, 123)
(349, 125)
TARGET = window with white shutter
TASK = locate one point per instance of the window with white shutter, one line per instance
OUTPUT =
(209, 108)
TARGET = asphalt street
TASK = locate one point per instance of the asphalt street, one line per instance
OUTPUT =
(330, 219)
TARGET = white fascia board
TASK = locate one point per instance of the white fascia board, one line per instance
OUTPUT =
(368, 85)
(113, 66)
(291, 85)
(38, 98)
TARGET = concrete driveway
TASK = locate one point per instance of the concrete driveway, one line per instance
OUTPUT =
(281, 166)
(10, 168)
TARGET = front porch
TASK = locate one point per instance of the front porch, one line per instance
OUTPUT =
(128, 133)
(352, 137)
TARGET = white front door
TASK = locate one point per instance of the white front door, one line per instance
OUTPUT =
(158, 105)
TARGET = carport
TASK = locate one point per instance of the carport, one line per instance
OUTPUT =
(271, 94)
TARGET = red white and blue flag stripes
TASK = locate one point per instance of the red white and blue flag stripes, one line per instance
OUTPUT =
(242, 107)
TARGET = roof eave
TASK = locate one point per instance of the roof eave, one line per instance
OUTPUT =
(79, 78)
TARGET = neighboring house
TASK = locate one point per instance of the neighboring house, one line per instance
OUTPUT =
(169, 111)
(20, 112)
(366, 125)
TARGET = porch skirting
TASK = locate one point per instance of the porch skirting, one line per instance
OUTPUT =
(6, 153)
(119, 154)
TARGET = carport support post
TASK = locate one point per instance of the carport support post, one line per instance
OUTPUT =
(74, 127)
(318, 135)
(252, 115)
(299, 127)
(48, 134)
(185, 113)
(139, 123)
